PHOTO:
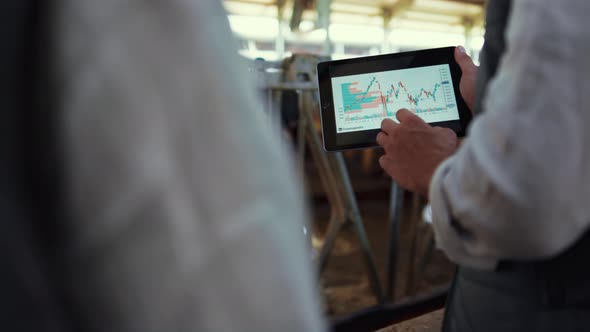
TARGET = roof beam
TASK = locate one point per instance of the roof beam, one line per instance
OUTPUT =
(470, 2)
(397, 9)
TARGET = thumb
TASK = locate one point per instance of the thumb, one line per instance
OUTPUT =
(464, 60)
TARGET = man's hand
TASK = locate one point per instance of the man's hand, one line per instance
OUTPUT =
(469, 77)
(413, 150)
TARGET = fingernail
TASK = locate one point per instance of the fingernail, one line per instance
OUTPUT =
(461, 49)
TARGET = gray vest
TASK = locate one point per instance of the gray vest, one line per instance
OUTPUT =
(551, 295)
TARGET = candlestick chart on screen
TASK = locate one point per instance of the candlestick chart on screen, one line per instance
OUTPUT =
(363, 101)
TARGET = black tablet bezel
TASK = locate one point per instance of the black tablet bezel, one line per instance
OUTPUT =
(334, 141)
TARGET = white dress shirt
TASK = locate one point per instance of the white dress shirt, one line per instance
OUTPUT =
(186, 213)
(519, 187)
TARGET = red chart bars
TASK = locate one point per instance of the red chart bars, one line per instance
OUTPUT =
(363, 101)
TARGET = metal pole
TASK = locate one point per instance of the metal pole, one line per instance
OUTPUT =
(324, 9)
(468, 33)
(280, 41)
(395, 205)
(387, 16)
(357, 222)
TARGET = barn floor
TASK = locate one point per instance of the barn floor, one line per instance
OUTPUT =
(344, 281)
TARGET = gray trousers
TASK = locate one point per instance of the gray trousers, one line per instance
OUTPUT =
(552, 295)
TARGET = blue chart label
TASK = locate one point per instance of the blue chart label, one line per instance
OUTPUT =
(362, 101)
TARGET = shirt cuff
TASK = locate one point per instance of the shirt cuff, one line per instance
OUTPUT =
(450, 235)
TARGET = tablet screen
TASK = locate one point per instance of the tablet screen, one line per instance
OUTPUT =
(362, 101)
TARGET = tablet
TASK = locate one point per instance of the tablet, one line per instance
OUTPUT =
(357, 94)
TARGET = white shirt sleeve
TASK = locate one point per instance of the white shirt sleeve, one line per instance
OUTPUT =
(518, 188)
(186, 215)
